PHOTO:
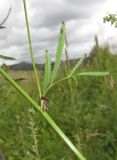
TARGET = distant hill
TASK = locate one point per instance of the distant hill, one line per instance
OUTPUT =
(28, 66)
(25, 66)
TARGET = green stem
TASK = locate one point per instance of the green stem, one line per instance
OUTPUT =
(51, 85)
(31, 50)
(76, 75)
(45, 115)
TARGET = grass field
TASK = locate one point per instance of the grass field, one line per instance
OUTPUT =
(88, 115)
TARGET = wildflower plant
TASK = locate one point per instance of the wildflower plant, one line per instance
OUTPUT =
(51, 79)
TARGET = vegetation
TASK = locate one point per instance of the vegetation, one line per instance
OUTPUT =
(111, 18)
(87, 120)
(90, 121)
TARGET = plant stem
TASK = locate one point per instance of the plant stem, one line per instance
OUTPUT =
(54, 83)
(45, 115)
(68, 68)
(31, 49)
(76, 75)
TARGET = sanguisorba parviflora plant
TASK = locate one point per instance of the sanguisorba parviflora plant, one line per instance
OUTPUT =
(51, 79)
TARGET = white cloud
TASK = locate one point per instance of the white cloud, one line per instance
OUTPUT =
(84, 19)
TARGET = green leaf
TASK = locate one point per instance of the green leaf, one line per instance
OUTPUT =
(78, 64)
(93, 74)
(19, 79)
(7, 58)
(60, 47)
(47, 78)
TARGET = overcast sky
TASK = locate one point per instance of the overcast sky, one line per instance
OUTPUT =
(83, 18)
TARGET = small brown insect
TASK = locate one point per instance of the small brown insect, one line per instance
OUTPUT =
(44, 103)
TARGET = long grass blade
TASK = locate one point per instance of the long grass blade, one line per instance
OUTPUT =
(93, 74)
(47, 78)
(79, 74)
(60, 47)
(4, 20)
(78, 64)
(7, 58)
(31, 49)
(19, 79)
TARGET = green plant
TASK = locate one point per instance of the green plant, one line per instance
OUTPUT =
(34, 135)
(51, 80)
(111, 18)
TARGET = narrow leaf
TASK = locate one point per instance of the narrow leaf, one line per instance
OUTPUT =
(4, 20)
(47, 70)
(19, 79)
(78, 64)
(93, 74)
(2, 27)
(60, 47)
(7, 58)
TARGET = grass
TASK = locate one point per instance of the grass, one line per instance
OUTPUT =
(90, 125)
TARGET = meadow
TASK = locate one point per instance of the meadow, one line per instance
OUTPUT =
(87, 115)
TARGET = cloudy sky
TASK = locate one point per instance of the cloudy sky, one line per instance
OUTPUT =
(83, 18)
